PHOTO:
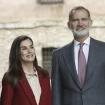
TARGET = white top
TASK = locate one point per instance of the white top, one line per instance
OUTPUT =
(85, 50)
(33, 81)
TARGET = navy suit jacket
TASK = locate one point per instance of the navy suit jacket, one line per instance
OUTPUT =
(66, 88)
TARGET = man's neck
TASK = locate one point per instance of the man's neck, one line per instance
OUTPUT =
(81, 39)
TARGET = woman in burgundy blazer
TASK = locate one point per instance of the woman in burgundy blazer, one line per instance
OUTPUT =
(16, 89)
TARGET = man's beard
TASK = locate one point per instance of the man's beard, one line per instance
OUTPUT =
(81, 32)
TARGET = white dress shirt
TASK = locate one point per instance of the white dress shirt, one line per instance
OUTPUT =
(33, 81)
(85, 50)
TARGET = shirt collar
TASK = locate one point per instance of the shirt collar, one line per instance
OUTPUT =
(87, 42)
(31, 74)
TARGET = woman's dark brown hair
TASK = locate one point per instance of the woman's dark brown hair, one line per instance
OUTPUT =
(14, 73)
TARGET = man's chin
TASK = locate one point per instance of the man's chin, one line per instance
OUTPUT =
(80, 33)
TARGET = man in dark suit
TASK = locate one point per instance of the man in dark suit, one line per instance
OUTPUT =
(67, 88)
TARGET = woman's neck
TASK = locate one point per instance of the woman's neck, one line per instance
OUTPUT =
(28, 67)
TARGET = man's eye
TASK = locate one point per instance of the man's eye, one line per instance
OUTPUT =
(84, 19)
(74, 20)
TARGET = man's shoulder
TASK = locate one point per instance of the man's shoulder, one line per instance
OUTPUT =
(61, 49)
(99, 42)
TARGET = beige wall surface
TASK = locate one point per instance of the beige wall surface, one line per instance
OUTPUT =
(12, 10)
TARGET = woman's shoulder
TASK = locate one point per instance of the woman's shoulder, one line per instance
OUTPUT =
(44, 71)
(5, 75)
(4, 78)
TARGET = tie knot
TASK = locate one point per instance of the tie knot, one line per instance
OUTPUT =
(81, 44)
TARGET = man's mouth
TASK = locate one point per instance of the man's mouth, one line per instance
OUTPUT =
(80, 29)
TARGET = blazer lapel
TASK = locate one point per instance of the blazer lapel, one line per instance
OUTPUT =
(27, 90)
(68, 54)
(42, 85)
(92, 58)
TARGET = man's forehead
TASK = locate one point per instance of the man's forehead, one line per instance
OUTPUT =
(80, 10)
(81, 13)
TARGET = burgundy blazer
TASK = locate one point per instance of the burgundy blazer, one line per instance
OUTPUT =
(23, 95)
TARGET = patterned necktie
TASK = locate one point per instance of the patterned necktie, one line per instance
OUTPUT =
(81, 65)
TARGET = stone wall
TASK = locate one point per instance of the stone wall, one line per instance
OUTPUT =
(18, 10)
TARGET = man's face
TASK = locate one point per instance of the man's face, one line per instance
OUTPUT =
(80, 23)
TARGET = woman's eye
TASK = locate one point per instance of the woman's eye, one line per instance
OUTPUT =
(23, 48)
(32, 47)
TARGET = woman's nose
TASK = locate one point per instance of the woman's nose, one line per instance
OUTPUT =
(29, 50)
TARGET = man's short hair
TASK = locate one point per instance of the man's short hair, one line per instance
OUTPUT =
(78, 8)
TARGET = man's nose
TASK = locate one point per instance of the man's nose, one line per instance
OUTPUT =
(80, 23)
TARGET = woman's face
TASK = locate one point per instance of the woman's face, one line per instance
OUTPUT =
(27, 51)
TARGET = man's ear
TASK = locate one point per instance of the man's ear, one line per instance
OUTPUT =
(69, 25)
(90, 23)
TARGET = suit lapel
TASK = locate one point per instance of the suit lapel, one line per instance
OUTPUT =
(43, 87)
(92, 58)
(27, 90)
(68, 54)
